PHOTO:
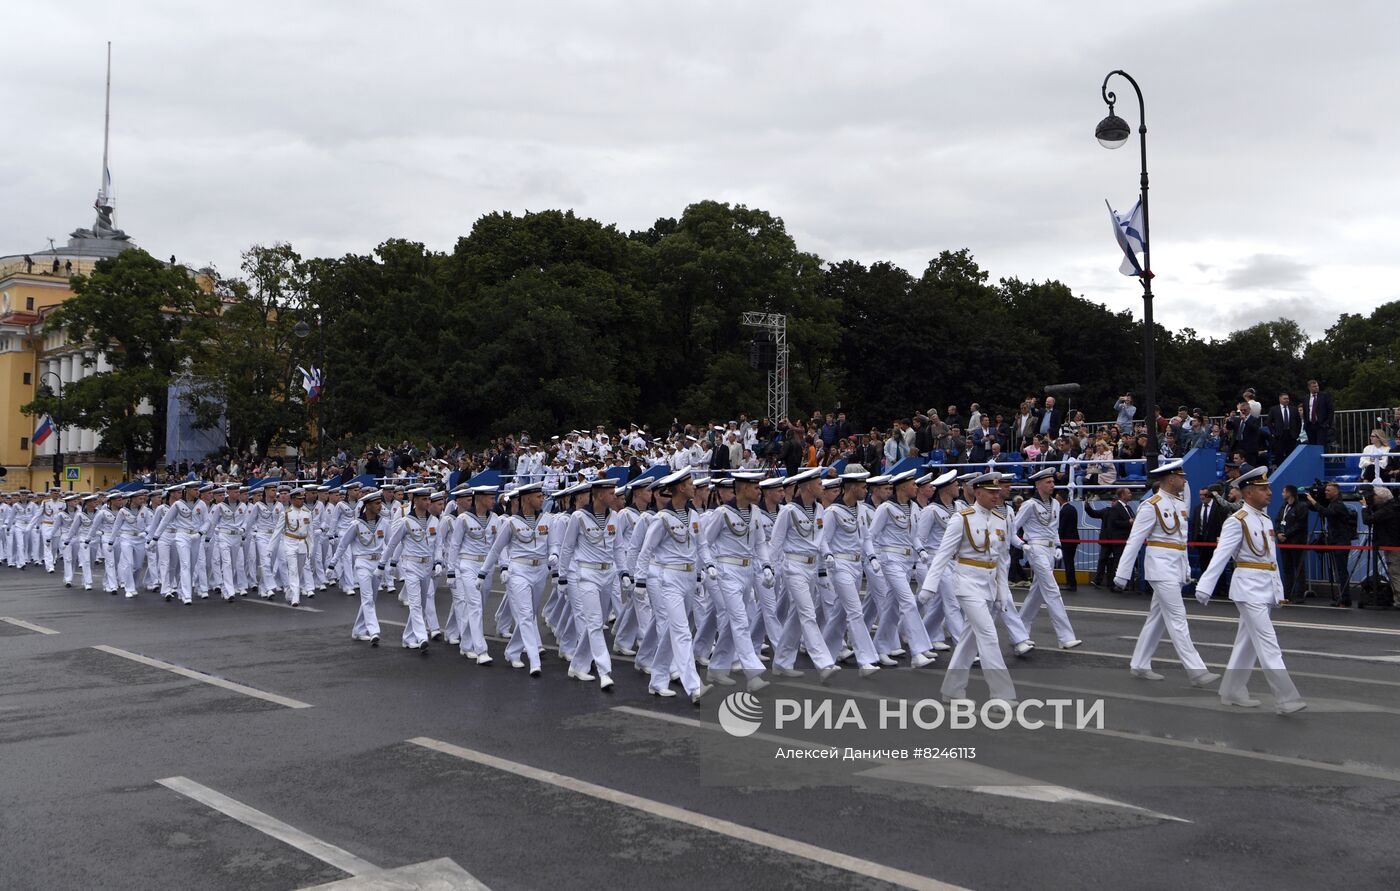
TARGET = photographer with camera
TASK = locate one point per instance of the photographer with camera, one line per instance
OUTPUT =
(1291, 527)
(1339, 529)
(1382, 514)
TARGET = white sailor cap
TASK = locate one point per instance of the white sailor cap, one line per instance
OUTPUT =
(420, 490)
(991, 480)
(678, 477)
(701, 480)
(904, 476)
(689, 438)
(747, 476)
(311, 487)
(462, 492)
(831, 483)
(72, 496)
(576, 488)
(969, 476)
(85, 499)
(485, 490)
(353, 484)
(298, 492)
(439, 495)
(206, 487)
(604, 482)
(1178, 466)
(803, 476)
(855, 473)
(370, 495)
(527, 489)
(1259, 476)
(772, 482)
(1041, 474)
(944, 479)
(924, 480)
(879, 480)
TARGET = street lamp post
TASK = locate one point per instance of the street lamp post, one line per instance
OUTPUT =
(302, 330)
(1113, 132)
(58, 429)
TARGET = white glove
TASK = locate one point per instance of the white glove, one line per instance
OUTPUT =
(923, 554)
(875, 565)
(1059, 555)
(1120, 582)
(553, 562)
(711, 572)
(626, 583)
(1202, 597)
(437, 568)
(830, 560)
(505, 576)
(768, 577)
(925, 595)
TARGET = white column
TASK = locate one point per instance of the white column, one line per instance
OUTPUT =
(102, 364)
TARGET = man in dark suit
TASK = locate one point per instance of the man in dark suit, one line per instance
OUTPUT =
(1049, 420)
(1247, 433)
(1117, 523)
(1317, 415)
(1292, 529)
(1285, 423)
(1207, 519)
(1069, 531)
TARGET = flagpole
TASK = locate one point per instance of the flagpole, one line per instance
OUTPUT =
(1112, 133)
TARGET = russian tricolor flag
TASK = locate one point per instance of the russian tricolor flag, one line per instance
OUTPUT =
(44, 431)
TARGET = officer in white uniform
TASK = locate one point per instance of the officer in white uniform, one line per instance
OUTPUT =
(129, 541)
(79, 537)
(1256, 587)
(413, 544)
(185, 521)
(1036, 531)
(472, 534)
(293, 531)
(842, 546)
(48, 517)
(262, 521)
(1159, 532)
(975, 544)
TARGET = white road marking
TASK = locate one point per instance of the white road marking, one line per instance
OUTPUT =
(1215, 748)
(1126, 657)
(1141, 615)
(963, 775)
(201, 676)
(690, 818)
(260, 602)
(430, 875)
(326, 852)
(1355, 657)
(20, 623)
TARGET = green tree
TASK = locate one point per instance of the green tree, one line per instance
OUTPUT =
(1357, 358)
(148, 318)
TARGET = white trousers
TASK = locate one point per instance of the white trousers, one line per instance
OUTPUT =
(800, 580)
(1044, 589)
(1255, 642)
(1167, 613)
(900, 608)
(845, 615)
(590, 593)
(418, 588)
(131, 562)
(978, 638)
(525, 586)
(468, 628)
(674, 644)
(366, 574)
(733, 642)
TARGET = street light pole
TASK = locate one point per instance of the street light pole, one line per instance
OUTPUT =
(302, 330)
(58, 429)
(1112, 133)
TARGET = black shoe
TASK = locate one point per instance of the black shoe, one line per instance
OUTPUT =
(374, 641)
(423, 648)
(437, 635)
(67, 584)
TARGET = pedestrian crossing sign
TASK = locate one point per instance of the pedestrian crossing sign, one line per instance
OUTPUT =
(72, 474)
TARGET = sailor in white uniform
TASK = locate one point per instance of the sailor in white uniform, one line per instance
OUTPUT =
(1256, 587)
(1036, 532)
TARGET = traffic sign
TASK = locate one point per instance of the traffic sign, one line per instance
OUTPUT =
(72, 474)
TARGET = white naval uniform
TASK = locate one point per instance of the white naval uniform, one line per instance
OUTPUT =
(794, 546)
(361, 548)
(293, 532)
(468, 542)
(669, 565)
(842, 545)
(975, 544)
(522, 549)
(1161, 525)
(414, 545)
(103, 542)
(49, 513)
(1256, 587)
(890, 539)
(1037, 528)
(942, 615)
(262, 522)
(738, 547)
(78, 538)
(590, 566)
(129, 542)
(227, 545)
(185, 521)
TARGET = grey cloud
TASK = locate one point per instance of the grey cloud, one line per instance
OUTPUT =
(1268, 271)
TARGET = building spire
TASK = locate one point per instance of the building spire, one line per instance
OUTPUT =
(105, 205)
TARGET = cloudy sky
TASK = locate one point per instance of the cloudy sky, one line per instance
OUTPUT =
(877, 131)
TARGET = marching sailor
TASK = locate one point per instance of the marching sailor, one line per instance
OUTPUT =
(942, 613)
(794, 544)
(361, 548)
(590, 560)
(522, 550)
(1036, 532)
(975, 544)
(737, 546)
(413, 543)
(1256, 587)
(293, 532)
(1160, 525)
(891, 552)
(472, 534)
(842, 545)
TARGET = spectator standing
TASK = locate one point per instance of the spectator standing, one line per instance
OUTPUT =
(1317, 415)
(1382, 514)
(1049, 420)
(1284, 426)
(1339, 529)
(1291, 527)
(1069, 536)
(1126, 412)
(1116, 524)
(1248, 398)
(974, 418)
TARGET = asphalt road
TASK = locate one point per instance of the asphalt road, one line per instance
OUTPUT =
(320, 761)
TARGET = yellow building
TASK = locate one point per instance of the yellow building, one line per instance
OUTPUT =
(31, 286)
